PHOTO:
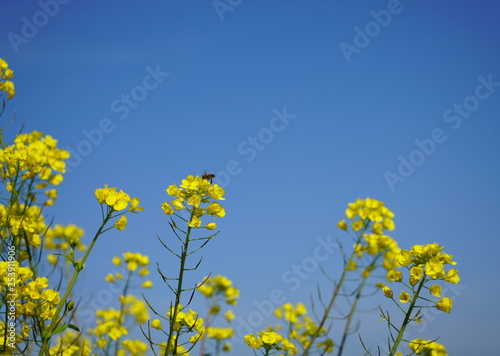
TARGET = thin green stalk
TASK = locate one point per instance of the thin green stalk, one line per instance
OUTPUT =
(350, 316)
(122, 308)
(326, 314)
(407, 318)
(178, 293)
(78, 268)
(330, 305)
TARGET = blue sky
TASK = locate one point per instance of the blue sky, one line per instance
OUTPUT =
(299, 108)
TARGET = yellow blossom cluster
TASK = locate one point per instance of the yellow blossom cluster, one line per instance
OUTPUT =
(197, 195)
(72, 343)
(132, 348)
(431, 260)
(180, 350)
(112, 323)
(33, 155)
(24, 221)
(219, 286)
(117, 200)
(427, 347)
(424, 263)
(133, 262)
(368, 209)
(302, 327)
(219, 334)
(270, 340)
(6, 85)
(187, 322)
(374, 215)
(33, 298)
(63, 238)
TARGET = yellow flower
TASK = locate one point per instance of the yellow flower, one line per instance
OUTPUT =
(270, 337)
(216, 209)
(116, 200)
(445, 304)
(357, 225)
(404, 258)
(211, 226)
(288, 346)
(121, 223)
(229, 315)
(434, 267)
(253, 341)
(327, 345)
(167, 208)
(427, 347)
(156, 324)
(435, 290)
(195, 222)
(452, 276)
(342, 224)
(147, 284)
(134, 205)
(394, 276)
(6, 85)
(220, 333)
(387, 292)
(416, 274)
(404, 297)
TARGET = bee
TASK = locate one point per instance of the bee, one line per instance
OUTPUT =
(208, 176)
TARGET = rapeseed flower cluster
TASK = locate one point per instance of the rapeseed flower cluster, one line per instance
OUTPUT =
(425, 263)
(302, 328)
(370, 219)
(24, 221)
(133, 261)
(219, 286)
(6, 85)
(186, 322)
(112, 323)
(220, 334)
(117, 201)
(62, 239)
(71, 343)
(218, 290)
(197, 195)
(33, 299)
(33, 155)
(268, 341)
(427, 348)
(371, 210)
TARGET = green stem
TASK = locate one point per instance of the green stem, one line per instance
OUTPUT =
(353, 309)
(122, 308)
(78, 268)
(174, 312)
(331, 303)
(406, 321)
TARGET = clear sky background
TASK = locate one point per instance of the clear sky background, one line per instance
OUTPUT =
(398, 101)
